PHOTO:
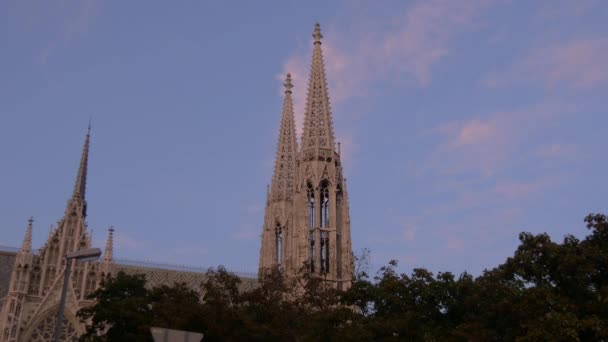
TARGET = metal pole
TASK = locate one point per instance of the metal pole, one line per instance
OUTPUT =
(64, 291)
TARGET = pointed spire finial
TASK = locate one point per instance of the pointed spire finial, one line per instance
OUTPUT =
(282, 184)
(317, 34)
(108, 253)
(27, 240)
(288, 84)
(81, 178)
(318, 131)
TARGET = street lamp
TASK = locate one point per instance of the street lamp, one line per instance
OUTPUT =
(88, 254)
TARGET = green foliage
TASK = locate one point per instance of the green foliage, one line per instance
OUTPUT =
(121, 311)
(546, 291)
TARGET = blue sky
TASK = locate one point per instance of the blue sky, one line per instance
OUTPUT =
(462, 123)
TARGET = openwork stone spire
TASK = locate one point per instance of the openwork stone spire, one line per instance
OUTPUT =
(318, 129)
(284, 168)
(109, 251)
(81, 178)
(26, 247)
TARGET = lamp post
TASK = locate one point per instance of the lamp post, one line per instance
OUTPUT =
(88, 254)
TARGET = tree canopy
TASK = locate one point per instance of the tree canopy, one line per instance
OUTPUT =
(545, 291)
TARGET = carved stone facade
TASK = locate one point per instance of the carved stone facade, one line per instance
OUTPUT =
(306, 219)
(31, 283)
(156, 275)
(36, 280)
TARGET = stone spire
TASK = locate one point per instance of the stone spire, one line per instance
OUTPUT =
(27, 240)
(284, 168)
(81, 178)
(108, 252)
(318, 129)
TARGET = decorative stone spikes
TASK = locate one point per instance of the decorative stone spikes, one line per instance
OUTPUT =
(318, 130)
(283, 179)
(26, 247)
(108, 252)
(81, 178)
(312, 227)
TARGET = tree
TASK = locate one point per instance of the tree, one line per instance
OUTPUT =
(176, 307)
(121, 311)
(545, 291)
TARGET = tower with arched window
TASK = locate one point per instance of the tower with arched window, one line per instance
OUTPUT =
(307, 220)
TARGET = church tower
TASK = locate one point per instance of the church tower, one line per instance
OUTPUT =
(30, 307)
(307, 219)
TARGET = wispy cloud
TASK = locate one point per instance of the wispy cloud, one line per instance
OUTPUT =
(416, 40)
(454, 244)
(59, 21)
(556, 150)
(575, 64)
(409, 233)
(483, 144)
(557, 10)
(404, 50)
(524, 189)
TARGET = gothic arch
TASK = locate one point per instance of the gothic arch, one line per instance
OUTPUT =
(42, 328)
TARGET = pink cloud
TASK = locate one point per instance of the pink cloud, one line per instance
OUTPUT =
(454, 244)
(558, 10)
(518, 190)
(556, 151)
(484, 144)
(409, 234)
(474, 132)
(577, 64)
(424, 37)
(416, 40)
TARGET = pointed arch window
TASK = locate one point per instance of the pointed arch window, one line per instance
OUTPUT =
(324, 204)
(278, 246)
(312, 250)
(324, 252)
(311, 206)
(310, 201)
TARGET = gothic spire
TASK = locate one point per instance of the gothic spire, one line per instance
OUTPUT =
(27, 240)
(81, 178)
(285, 163)
(108, 252)
(318, 131)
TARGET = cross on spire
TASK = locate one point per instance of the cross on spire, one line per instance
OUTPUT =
(288, 84)
(317, 34)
